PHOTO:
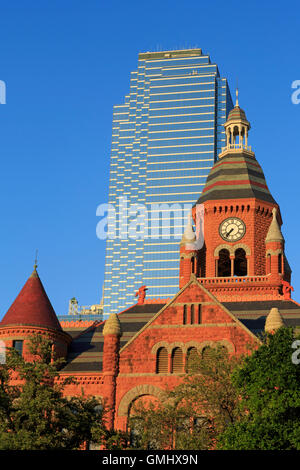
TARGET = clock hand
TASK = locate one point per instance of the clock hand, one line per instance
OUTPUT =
(227, 234)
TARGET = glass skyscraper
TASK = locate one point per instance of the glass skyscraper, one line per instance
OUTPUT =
(166, 137)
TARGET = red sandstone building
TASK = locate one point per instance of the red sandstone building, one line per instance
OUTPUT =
(231, 288)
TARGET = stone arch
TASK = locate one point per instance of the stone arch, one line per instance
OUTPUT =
(243, 246)
(274, 252)
(161, 344)
(227, 344)
(213, 344)
(223, 246)
(135, 393)
(192, 344)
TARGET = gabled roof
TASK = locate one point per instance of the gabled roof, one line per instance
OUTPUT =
(193, 280)
(32, 307)
(253, 314)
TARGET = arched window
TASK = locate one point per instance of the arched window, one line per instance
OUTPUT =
(177, 360)
(240, 262)
(191, 359)
(224, 263)
(207, 352)
(192, 314)
(162, 361)
(184, 315)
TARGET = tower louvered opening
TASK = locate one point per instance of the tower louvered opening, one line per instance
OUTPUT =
(207, 352)
(162, 361)
(177, 360)
(191, 360)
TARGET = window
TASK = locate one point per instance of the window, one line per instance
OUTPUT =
(207, 352)
(193, 265)
(280, 263)
(192, 314)
(240, 263)
(191, 359)
(268, 267)
(177, 360)
(199, 314)
(18, 345)
(162, 361)
(224, 264)
(184, 315)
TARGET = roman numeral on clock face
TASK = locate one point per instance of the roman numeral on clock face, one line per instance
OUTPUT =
(232, 229)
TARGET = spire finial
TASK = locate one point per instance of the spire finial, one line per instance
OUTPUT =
(237, 96)
(36, 260)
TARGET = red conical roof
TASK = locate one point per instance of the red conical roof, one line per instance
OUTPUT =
(32, 307)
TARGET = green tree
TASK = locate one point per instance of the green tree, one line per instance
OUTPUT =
(268, 384)
(192, 415)
(34, 415)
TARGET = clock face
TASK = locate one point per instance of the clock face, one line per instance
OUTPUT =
(232, 229)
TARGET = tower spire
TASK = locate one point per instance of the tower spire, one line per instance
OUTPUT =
(237, 96)
(35, 260)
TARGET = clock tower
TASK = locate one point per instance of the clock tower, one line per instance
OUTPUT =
(242, 258)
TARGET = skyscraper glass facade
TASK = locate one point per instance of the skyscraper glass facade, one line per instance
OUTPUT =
(166, 137)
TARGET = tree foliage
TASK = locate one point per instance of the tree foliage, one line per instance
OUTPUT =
(268, 383)
(193, 414)
(34, 415)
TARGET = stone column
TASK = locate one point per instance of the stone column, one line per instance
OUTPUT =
(112, 333)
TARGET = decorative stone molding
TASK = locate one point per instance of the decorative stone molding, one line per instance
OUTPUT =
(244, 247)
(274, 320)
(213, 344)
(161, 344)
(193, 344)
(112, 326)
(187, 255)
(228, 345)
(81, 379)
(135, 393)
(274, 252)
(232, 249)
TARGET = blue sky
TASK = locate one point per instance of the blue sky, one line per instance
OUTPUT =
(66, 63)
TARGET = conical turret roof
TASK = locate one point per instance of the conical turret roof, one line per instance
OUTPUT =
(112, 326)
(274, 233)
(189, 235)
(273, 321)
(32, 307)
